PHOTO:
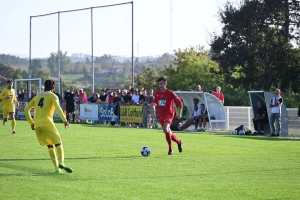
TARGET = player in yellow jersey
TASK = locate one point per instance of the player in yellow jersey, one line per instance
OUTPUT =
(8, 98)
(44, 105)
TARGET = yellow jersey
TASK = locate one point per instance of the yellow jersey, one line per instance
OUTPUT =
(8, 103)
(44, 105)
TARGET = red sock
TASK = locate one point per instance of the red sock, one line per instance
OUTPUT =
(175, 138)
(168, 138)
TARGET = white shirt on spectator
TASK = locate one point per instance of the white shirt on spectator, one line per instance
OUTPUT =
(197, 113)
(136, 98)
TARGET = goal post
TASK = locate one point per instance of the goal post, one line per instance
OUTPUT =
(28, 85)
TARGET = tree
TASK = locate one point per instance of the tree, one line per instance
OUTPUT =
(36, 64)
(252, 50)
(8, 72)
(65, 62)
(191, 67)
(147, 78)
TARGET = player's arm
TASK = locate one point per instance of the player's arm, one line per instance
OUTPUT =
(180, 104)
(27, 112)
(154, 103)
(2, 95)
(59, 111)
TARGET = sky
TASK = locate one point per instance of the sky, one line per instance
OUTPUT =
(155, 31)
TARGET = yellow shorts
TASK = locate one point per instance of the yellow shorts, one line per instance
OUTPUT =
(7, 110)
(47, 135)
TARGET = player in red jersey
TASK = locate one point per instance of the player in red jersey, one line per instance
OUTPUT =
(164, 100)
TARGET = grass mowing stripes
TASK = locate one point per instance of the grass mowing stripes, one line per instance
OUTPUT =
(107, 165)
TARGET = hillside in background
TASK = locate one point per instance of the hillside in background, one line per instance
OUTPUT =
(76, 70)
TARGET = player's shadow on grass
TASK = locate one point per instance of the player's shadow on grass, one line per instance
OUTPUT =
(23, 170)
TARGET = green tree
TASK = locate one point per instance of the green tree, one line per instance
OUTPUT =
(8, 72)
(252, 50)
(190, 67)
(36, 64)
(147, 78)
(65, 62)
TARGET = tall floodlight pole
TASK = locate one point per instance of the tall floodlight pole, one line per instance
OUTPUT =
(58, 54)
(171, 27)
(92, 41)
(29, 87)
(132, 65)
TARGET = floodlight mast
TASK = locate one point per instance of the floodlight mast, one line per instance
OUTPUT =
(58, 53)
(29, 87)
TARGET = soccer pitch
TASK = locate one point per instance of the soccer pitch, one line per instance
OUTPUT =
(107, 164)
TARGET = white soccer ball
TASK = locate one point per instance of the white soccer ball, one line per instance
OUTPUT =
(145, 151)
(241, 132)
(234, 132)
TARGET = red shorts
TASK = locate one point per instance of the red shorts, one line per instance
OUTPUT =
(166, 118)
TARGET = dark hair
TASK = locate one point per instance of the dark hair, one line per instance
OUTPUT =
(49, 85)
(196, 99)
(202, 104)
(8, 81)
(163, 78)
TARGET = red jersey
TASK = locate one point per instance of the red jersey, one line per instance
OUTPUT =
(165, 103)
(220, 96)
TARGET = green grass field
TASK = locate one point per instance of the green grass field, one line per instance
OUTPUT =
(107, 165)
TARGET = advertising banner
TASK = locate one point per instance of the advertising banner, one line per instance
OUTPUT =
(89, 111)
(131, 114)
(107, 113)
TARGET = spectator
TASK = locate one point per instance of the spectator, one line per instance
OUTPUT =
(21, 95)
(128, 88)
(203, 118)
(110, 98)
(195, 117)
(275, 106)
(103, 96)
(128, 100)
(136, 96)
(142, 97)
(94, 98)
(260, 118)
(56, 93)
(184, 111)
(118, 99)
(151, 111)
(82, 96)
(26, 98)
(199, 88)
(218, 94)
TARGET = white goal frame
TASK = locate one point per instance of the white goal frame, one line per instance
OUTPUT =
(29, 88)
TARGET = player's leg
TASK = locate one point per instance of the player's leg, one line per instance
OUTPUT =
(61, 157)
(172, 135)
(200, 124)
(165, 127)
(5, 115)
(52, 154)
(13, 122)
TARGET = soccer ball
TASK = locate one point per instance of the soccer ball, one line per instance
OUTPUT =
(145, 151)
(242, 132)
(234, 132)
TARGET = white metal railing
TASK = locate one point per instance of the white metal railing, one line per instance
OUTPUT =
(237, 115)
